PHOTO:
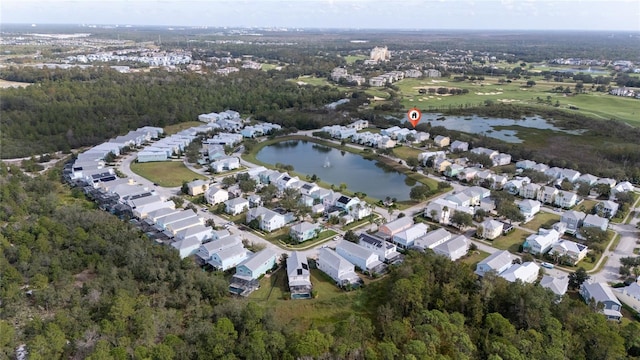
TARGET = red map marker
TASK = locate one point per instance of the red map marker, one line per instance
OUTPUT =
(414, 116)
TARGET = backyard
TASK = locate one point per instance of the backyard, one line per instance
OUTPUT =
(542, 220)
(512, 241)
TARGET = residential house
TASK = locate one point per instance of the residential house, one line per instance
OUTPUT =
(454, 249)
(501, 159)
(606, 181)
(304, 231)
(607, 208)
(630, 295)
(557, 285)
(441, 141)
(200, 231)
(432, 239)
(621, 187)
(484, 151)
(406, 238)
(587, 179)
(178, 226)
(573, 219)
(317, 209)
(595, 221)
(477, 193)
(453, 170)
(491, 229)
(225, 163)
(360, 210)
(229, 257)
(197, 187)
(236, 206)
(255, 200)
(459, 146)
(345, 202)
(565, 199)
(525, 164)
(423, 157)
(163, 222)
(187, 247)
(602, 295)
(569, 174)
(573, 250)
(391, 228)
(498, 262)
(468, 174)
(299, 276)
(206, 250)
(269, 220)
(386, 251)
(337, 267)
(460, 199)
(440, 165)
(215, 195)
(541, 242)
(359, 256)
(257, 265)
(526, 272)
(529, 208)
(530, 191)
(308, 188)
(547, 194)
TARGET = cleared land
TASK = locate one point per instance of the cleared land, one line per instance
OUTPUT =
(166, 174)
(512, 241)
(473, 259)
(350, 59)
(172, 129)
(542, 219)
(331, 304)
(4, 84)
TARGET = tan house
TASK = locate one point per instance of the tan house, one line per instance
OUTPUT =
(491, 229)
(440, 165)
(441, 141)
(197, 187)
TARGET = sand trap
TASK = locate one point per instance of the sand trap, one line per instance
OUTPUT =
(489, 93)
(508, 100)
(4, 84)
(376, 98)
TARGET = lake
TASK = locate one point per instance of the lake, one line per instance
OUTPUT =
(487, 126)
(336, 166)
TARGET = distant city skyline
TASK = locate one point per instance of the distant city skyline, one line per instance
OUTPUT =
(588, 15)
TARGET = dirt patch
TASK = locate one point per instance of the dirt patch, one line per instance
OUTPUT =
(4, 84)
(489, 93)
(83, 277)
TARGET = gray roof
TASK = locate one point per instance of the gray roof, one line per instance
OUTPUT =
(632, 290)
(432, 237)
(595, 220)
(236, 201)
(600, 292)
(574, 215)
(186, 243)
(231, 251)
(498, 259)
(303, 227)
(333, 259)
(185, 233)
(297, 266)
(400, 223)
(452, 245)
(258, 259)
(226, 242)
(557, 285)
(355, 249)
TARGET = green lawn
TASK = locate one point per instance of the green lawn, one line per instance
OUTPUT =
(587, 205)
(166, 174)
(172, 129)
(358, 223)
(405, 152)
(542, 219)
(512, 241)
(475, 258)
(350, 59)
(330, 305)
(322, 237)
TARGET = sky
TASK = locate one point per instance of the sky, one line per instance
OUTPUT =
(612, 15)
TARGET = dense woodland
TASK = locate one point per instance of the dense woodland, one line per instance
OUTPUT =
(73, 108)
(79, 283)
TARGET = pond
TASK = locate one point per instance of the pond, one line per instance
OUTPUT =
(489, 126)
(336, 166)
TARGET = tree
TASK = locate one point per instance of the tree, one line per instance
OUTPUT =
(419, 192)
(268, 192)
(228, 181)
(248, 185)
(290, 199)
(583, 189)
(177, 200)
(593, 234)
(462, 219)
(578, 277)
(531, 83)
(412, 162)
(510, 211)
(603, 190)
(351, 236)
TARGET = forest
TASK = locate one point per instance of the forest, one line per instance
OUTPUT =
(78, 283)
(69, 109)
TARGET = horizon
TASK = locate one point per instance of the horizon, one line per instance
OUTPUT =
(411, 15)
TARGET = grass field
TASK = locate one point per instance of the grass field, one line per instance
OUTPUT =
(586, 206)
(167, 173)
(475, 258)
(600, 105)
(542, 219)
(350, 59)
(331, 304)
(405, 152)
(512, 241)
(172, 129)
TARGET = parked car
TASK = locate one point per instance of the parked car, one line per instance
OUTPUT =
(547, 265)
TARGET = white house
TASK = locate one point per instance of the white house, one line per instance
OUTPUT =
(573, 250)
(541, 242)
(359, 256)
(547, 194)
(491, 229)
(565, 199)
(337, 267)
(595, 221)
(229, 257)
(215, 195)
(225, 163)
(459, 146)
(607, 208)
(236, 206)
(299, 276)
(573, 219)
(386, 251)
(304, 231)
(391, 228)
(206, 250)
(269, 220)
(187, 247)
(454, 249)
(558, 286)
(526, 272)
(529, 208)
(530, 191)
(630, 295)
(406, 238)
(433, 239)
(498, 261)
